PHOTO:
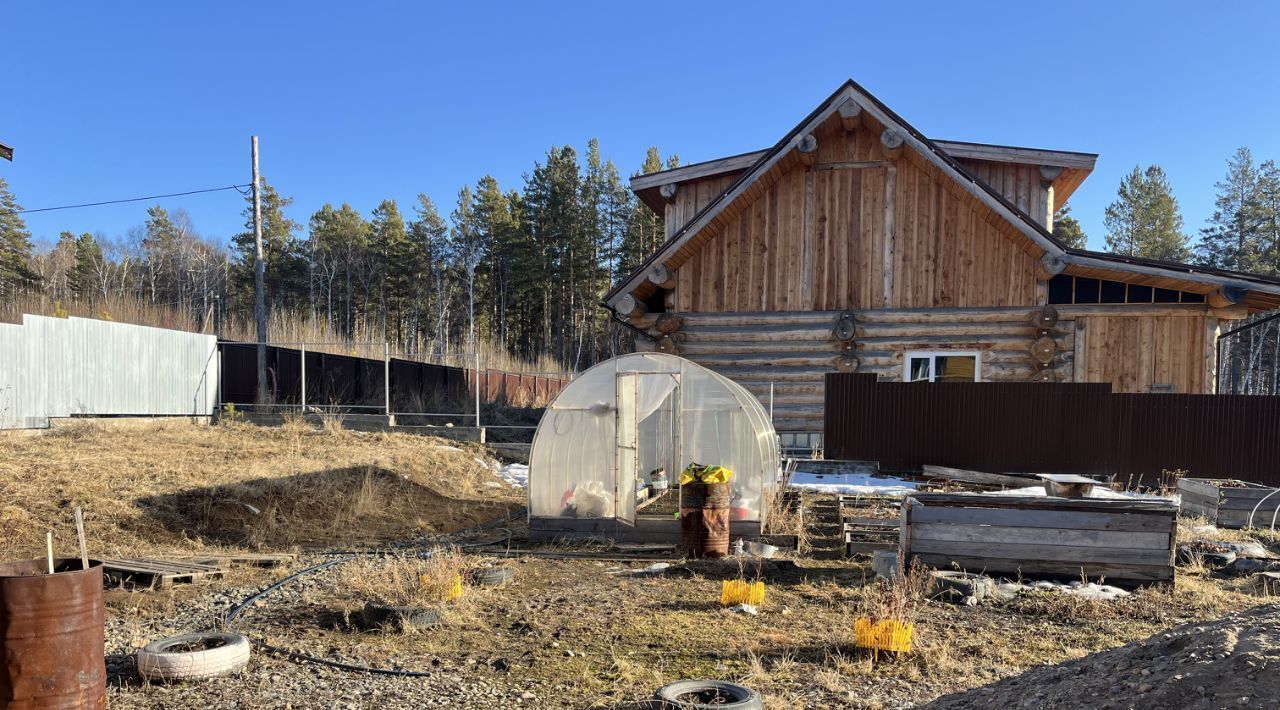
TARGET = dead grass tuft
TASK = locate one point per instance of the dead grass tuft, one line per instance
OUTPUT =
(405, 581)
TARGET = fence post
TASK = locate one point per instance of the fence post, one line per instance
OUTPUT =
(304, 380)
(477, 381)
(386, 377)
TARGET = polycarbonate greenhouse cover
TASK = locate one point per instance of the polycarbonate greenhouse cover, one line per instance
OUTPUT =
(579, 466)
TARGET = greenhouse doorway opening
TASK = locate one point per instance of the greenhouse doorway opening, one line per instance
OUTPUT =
(607, 456)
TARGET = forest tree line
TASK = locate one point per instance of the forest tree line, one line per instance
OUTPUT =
(523, 268)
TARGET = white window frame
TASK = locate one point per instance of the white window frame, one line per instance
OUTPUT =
(933, 355)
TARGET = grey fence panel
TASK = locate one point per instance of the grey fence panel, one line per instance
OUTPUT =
(59, 367)
(13, 358)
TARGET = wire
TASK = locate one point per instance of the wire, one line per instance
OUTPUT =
(131, 199)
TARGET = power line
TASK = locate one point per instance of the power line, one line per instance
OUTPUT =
(131, 199)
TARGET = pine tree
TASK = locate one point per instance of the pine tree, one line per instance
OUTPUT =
(1269, 213)
(389, 245)
(1232, 239)
(1145, 220)
(428, 236)
(15, 246)
(337, 242)
(467, 251)
(87, 263)
(286, 276)
(646, 230)
(1068, 230)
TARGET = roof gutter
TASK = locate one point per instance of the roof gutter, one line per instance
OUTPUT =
(614, 316)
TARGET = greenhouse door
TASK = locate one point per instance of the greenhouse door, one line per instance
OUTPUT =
(626, 447)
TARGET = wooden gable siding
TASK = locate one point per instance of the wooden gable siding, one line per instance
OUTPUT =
(816, 238)
(1020, 185)
(1134, 352)
(691, 197)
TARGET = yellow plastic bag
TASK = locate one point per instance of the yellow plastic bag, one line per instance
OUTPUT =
(704, 474)
(887, 635)
(736, 591)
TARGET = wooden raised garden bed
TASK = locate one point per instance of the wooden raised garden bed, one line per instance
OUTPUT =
(1127, 542)
(1228, 503)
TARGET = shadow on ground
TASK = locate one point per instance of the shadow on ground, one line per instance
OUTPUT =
(363, 505)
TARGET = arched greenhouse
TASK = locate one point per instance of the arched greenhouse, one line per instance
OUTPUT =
(622, 428)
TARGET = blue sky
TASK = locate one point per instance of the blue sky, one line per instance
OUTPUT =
(359, 102)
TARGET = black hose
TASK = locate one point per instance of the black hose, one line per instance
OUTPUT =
(347, 557)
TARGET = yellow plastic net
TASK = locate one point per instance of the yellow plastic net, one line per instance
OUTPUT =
(704, 474)
(736, 591)
(887, 635)
(453, 591)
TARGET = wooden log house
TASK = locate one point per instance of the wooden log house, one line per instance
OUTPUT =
(856, 243)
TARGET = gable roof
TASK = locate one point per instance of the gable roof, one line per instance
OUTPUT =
(758, 165)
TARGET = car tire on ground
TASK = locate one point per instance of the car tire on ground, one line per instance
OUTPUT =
(401, 617)
(194, 656)
(493, 576)
(709, 694)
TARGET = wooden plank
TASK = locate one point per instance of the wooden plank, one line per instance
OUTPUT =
(1054, 537)
(1070, 557)
(975, 500)
(1199, 486)
(980, 477)
(1118, 522)
(1114, 573)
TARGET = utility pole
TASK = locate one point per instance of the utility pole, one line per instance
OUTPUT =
(259, 277)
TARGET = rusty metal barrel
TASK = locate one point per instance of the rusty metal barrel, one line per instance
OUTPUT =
(704, 518)
(51, 634)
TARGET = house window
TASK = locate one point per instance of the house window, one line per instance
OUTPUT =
(942, 366)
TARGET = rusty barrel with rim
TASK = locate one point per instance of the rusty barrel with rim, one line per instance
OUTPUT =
(51, 630)
(704, 518)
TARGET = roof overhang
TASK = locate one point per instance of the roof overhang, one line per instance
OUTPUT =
(1075, 165)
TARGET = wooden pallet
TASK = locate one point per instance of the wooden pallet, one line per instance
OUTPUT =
(866, 539)
(247, 559)
(152, 572)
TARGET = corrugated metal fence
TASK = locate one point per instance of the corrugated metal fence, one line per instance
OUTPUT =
(1051, 428)
(60, 367)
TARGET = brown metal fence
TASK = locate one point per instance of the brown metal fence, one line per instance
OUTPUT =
(1051, 428)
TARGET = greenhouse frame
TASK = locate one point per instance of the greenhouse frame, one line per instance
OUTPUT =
(619, 430)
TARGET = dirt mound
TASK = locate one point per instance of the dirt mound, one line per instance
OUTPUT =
(1232, 662)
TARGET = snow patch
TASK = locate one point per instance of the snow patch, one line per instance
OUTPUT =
(515, 474)
(850, 484)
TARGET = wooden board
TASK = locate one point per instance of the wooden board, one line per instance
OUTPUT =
(154, 572)
(1127, 542)
(242, 559)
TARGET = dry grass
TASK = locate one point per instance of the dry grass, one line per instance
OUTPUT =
(899, 598)
(405, 581)
(177, 487)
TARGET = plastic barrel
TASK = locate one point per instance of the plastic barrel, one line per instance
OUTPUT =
(51, 630)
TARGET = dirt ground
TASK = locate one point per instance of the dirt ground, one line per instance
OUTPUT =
(564, 633)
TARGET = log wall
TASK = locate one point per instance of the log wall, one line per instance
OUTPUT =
(795, 349)
(1128, 542)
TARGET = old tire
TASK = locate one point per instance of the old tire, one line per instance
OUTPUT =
(709, 694)
(194, 656)
(401, 617)
(493, 576)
